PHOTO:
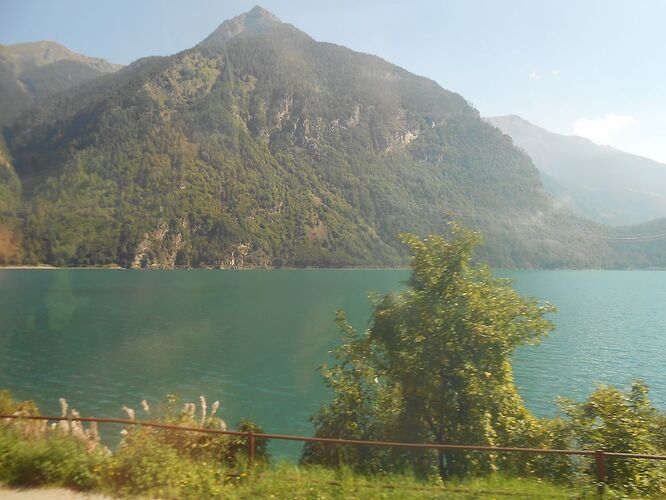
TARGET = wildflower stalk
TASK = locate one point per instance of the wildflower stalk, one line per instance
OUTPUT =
(204, 407)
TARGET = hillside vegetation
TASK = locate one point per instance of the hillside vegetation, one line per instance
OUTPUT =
(34, 71)
(598, 182)
(262, 147)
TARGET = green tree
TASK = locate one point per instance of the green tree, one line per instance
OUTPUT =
(434, 366)
(627, 422)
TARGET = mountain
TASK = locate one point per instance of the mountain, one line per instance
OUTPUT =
(263, 147)
(258, 21)
(599, 182)
(10, 201)
(30, 71)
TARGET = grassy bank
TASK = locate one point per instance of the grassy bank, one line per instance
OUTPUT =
(289, 481)
(154, 464)
(167, 477)
(159, 465)
(163, 463)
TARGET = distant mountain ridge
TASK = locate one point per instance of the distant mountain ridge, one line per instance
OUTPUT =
(599, 182)
(261, 147)
(30, 71)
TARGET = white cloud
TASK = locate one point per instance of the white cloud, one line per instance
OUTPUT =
(534, 76)
(555, 72)
(601, 130)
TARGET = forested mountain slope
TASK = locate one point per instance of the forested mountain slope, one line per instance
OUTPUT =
(599, 182)
(263, 147)
(30, 71)
(10, 201)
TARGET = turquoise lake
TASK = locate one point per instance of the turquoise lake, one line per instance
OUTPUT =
(254, 339)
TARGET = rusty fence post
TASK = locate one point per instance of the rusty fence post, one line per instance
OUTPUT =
(250, 448)
(600, 462)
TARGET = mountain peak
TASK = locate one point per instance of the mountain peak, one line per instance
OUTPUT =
(256, 21)
(258, 13)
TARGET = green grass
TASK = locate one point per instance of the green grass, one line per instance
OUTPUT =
(154, 469)
(150, 463)
(290, 481)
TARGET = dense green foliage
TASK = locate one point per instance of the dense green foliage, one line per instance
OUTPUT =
(434, 364)
(34, 71)
(613, 420)
(154, 464)
(10, 200)
(31, 455)
(176, 464)
(181, 465)
(147, 461)
(268, 148)
(434, 367)
(53, 460)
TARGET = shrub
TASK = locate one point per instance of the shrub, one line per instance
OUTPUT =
(173, 464)
(50, 458)
(614, 420)
(147, 465)
(149, 461)
(31, 453)
(225, 450)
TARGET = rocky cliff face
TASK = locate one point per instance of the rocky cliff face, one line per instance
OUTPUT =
(164, 248)
(158, 249)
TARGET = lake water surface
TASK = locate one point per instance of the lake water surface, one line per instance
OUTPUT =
(254, 339)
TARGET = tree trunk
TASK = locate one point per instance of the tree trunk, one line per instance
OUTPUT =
(442, 464)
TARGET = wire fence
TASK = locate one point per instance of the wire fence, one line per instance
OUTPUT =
(600, 456)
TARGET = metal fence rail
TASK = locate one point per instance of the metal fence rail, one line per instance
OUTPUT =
(600, 456)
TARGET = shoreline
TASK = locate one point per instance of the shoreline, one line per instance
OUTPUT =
(118, 268)
(115, 267)
(49, 267)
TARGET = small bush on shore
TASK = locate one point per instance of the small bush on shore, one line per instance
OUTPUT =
(33, 454)
(146, 464)
(52, 459)
(148, 461)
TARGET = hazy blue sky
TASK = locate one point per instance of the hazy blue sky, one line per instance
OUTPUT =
(594, 67)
